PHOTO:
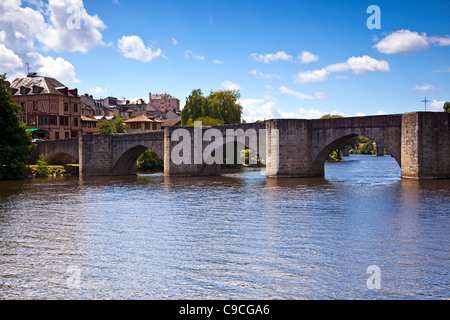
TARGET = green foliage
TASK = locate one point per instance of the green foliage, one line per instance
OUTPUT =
(150, 161)
(220, 105)
(447, 107)
(329, 116)
(15, 142)
(114, 126)
(368, 148)
(42, 168)
(206, 121)
(193, 109)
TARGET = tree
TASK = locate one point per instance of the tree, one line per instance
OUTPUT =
(206, 121)
(194, 108)
(15, 142)
(149, 160)
(220, 105)
(223, 105)
(329, 116)
(113, 126)
(447, 107)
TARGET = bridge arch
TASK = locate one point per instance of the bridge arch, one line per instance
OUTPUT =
(127, 161)
(61, 158)
(331, 144)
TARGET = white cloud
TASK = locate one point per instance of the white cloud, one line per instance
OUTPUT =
(364, 64)
(403, 41)
(338, 67)
(320, 95)
(228, 85)
(262, 109)
(443, 70)
(188, 54)
(271, 57)
(307, 57)
(259, 109)
(174, 41)
(437, 105)
(260, 75)
(311, 76)
(342, 77)
(8, 59)
(301, 95)
(99, 90)
(217, 61)
(58, 68)
(440, 41)
(424, 87)
(61, 37)
(133, 47)
(24, 29)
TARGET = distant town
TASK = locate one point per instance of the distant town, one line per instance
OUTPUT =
(52, 111)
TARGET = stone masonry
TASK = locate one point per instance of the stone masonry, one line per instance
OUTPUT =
(418, 141)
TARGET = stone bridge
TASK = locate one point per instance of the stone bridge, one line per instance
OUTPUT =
(419, 142)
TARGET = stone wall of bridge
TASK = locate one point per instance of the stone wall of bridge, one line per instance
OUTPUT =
(56, 152)
(419, 142)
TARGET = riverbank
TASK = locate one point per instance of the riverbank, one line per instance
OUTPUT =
(33, 171)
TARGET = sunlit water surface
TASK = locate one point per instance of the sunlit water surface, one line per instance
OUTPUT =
(238, 236)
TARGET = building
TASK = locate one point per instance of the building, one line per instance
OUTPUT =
(89, 125)
(170, 123)
(48, 105)
(164, 102)
(142, 124)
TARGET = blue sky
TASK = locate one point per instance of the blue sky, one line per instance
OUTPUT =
(297, 59)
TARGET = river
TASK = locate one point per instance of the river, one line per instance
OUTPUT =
(238, 236)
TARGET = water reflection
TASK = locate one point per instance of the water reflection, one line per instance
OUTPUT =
(236, 236)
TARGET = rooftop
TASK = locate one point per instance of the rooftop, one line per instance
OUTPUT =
(44, 85)
(142, 119)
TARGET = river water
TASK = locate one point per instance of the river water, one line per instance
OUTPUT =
(238, 236)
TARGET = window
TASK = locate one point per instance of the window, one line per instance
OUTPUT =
(66, 135)
(52, 121)
(43, 120)
(75, 108)
(56, 135)
(74, 134)
(63, 121)
(135, 125)
(66, 107)
(35, 106)
(35, 90)
(75, 122)
(23, 90)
